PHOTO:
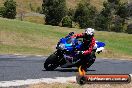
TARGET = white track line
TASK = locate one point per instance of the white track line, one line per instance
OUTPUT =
(35, 81)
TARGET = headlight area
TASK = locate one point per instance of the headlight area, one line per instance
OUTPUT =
(62, 46)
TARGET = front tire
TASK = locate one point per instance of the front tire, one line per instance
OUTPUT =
(51, 62)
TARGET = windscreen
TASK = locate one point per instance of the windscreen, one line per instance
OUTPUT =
(71, 41)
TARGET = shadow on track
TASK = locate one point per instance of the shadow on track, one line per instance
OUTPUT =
(68, 70)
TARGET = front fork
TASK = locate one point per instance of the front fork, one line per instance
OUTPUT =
(59, 54)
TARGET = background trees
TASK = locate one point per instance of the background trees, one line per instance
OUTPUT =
(85, 14)
(54, 11)
(9, 9)
(112, 17)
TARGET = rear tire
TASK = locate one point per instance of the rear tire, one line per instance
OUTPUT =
(51, 62)
(90, 63)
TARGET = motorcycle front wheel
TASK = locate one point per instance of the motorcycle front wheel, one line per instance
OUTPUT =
(51, 62)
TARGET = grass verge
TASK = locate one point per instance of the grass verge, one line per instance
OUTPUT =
(29, 38)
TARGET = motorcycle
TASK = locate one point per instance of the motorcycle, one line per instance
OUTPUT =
(66, 56)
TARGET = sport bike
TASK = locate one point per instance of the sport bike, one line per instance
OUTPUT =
(66, 55)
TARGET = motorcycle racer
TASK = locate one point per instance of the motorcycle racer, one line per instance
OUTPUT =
(89, 46)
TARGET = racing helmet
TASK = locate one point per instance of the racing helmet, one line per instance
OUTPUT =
(89, 31)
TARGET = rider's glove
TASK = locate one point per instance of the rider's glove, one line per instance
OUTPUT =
(80, 52)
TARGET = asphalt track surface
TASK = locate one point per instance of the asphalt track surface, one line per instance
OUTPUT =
(14, 67)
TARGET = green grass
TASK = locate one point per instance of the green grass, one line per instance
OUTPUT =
(25, 37)
(117, 44)
(29, 38)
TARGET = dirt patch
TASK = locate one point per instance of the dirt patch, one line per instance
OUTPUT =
(74, 85)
